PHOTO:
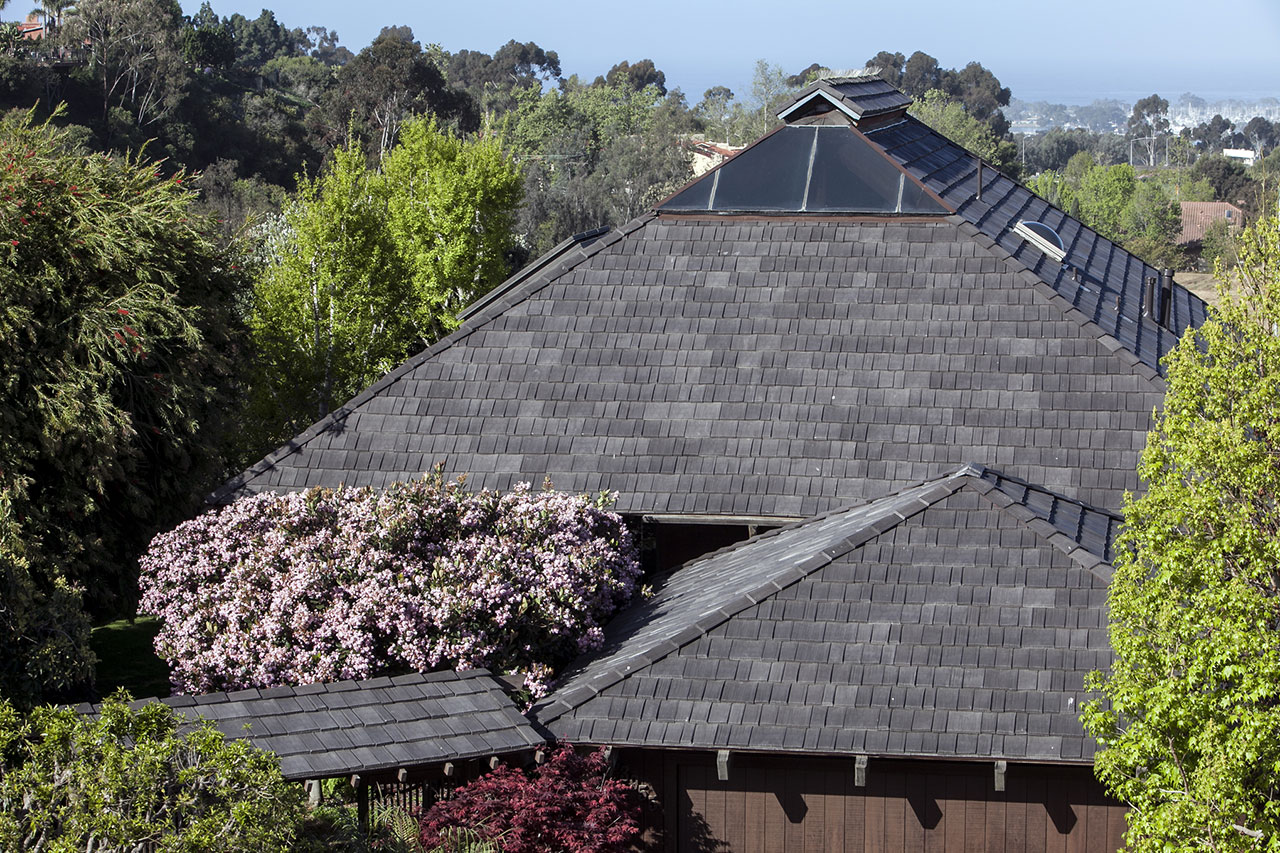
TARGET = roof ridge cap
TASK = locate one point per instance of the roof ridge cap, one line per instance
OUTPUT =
(943, 486)
(1096, 565)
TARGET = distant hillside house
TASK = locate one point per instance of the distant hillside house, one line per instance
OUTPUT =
(904, 394)
(708, 155)
(1197, 216)
(1246, 156)
(33, 28)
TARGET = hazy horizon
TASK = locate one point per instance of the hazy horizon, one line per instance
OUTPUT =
(1094, 49)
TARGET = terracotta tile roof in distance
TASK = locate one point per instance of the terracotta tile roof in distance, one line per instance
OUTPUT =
(777, 365)
(955, 618)
(1197, 216)
(326, 730)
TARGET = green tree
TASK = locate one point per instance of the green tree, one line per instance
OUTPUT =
(135, 58)
(982, 95)
(1103, 194)
(207, 42)
(950, 118)
(1189, 722)
(389, 82)
(634, 77)
(116, 334)
(494, 81)
(263, 39)
(329, 304)
(890, 65)
(715, 112)
(372, 264)
(451, 210)
(131, 780)
(44, 632)
(920, 74)
(1148, 123)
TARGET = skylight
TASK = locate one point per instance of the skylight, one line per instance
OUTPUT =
(1042, 237)
(808, 169)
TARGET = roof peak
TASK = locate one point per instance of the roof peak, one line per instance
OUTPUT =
(857, 97)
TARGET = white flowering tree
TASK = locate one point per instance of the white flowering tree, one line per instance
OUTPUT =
(326, 585)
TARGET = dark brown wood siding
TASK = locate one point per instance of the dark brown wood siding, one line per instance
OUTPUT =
(806, 805)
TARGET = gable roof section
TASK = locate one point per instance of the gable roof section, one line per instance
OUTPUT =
(956, 618)
(776, 366)
(1198, 216)
(325, 730)
(751, 367)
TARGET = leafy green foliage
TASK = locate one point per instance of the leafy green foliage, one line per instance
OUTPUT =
(44, 633)
(115, 334)
(450, 207)
(372, 264)
(595, 155)
(1140, 215)
(327, 317)
(950, 118)
(1190, 723)
(129, 779)
(386, 84)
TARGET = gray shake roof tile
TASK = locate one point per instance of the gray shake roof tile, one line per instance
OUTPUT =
(778, 366)
(906, 631)
(375, 724)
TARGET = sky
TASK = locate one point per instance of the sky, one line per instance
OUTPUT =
(1064, 52)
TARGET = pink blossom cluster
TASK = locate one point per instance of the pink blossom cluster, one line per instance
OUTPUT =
(326, 585)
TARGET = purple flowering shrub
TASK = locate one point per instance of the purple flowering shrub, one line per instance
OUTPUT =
(327, 585)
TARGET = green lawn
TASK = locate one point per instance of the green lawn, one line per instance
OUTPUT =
(127, 659)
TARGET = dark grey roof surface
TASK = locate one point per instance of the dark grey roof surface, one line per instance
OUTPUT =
(752, 367)
(324, 730)
(1098, 278)
(778, 366)
(950, 619)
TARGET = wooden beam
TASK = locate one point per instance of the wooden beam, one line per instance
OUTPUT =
(449, 769)
(860, 771)
(722, 764)
(1001, 768)
(362, 807)
(402, 774)
(494, 761)
(540, 757)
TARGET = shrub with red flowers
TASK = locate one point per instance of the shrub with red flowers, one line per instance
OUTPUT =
(326, 585)
(567, 804)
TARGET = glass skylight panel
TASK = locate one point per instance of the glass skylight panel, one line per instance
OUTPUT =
(696, 196)
(770, 175)
(1042, 237)
(808, 169)
(849, 175)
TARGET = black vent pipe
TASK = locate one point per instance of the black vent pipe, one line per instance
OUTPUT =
(1166, 295)
(1149, 294)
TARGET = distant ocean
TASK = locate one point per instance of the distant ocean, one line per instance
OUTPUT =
(1132, 96)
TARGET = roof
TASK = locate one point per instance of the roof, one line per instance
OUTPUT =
(1197, 216)
(956, 618)
(782, 363)
(326, 730)
(1097, 277)
(857, 97)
